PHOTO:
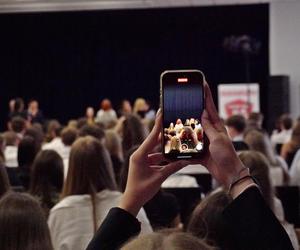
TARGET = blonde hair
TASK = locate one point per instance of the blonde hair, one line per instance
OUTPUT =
(259, 142)
(175, 143)
(139, 104)
(167, 240)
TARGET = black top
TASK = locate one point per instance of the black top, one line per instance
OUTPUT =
(240, 145)
(252, 224)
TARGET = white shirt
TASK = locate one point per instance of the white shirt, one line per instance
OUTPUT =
(282, 137)
(11, 156)
(56, 144)
(180, 180)
(71, 220)
(106, 117)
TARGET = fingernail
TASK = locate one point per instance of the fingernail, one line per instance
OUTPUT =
(158, 112)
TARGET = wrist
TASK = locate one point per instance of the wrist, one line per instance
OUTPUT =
(130, 205)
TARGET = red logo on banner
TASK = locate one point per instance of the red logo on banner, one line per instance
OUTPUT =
(238, 107)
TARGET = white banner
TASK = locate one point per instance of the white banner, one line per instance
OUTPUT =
(238, 99)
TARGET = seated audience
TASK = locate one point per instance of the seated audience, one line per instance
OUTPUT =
(260, 142)
(34, 114)
(114, 146)
(257, 228)
(27, 151)
(88, 193)
(236, 126)
(37, 134)
(106, 115)
(133, 132)
(22, 224)
(47, 177)
(285, 133)
(290, 148)
(140, 107)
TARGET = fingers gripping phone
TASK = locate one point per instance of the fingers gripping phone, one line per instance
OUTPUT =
(182, 101)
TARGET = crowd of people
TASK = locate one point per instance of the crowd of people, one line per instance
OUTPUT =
(95, 183)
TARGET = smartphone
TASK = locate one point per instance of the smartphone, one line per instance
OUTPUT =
(182, 103)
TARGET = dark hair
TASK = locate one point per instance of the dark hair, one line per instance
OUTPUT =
(37, 134)
(53, 129)
(19, 105)
(286, 121)
(92, 130)
(10, 138)
(4, 181)
(23, 225)
(238, 122)
(90, 170)
(207, 221)
(133, 132)
(68, 135)
(18, 124)
(27, 151)
(47, 177)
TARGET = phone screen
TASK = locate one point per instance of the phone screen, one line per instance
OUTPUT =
(182, 105)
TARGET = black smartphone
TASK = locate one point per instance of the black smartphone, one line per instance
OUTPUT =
(182, 102)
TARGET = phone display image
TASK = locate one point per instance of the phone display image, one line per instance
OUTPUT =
(182, 104)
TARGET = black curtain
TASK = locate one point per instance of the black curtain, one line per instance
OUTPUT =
(68, 60)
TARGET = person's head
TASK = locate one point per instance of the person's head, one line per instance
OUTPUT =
(175, 143)
(236, 125)
(140, 107)
(126, 107)
(53, 129)
(90, 169)
(19, 105)
(206, 221)
(260, 142)
(166, 240)
(259, 169)
(18, 124)
(4, 181)
(10, 138)
(286, 122)
(27, 151)
(23, 224)
(47, 175)
(113, 143)
(72, 124)
(106, 105)
(37, 134)
(89, 113)
(92, 130)
(33, 106)
(133, 132)
(69, 135)
(2, 147)
(255, 120)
